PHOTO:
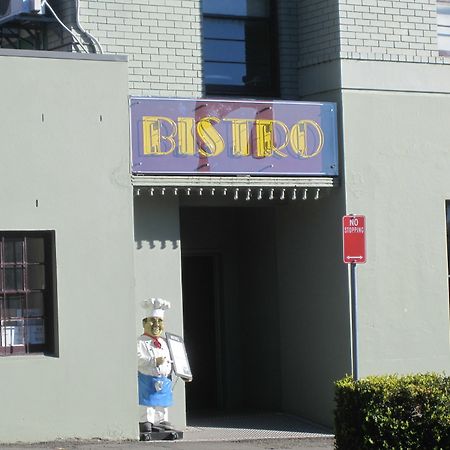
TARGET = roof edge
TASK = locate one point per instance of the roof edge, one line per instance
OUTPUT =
(62, 55)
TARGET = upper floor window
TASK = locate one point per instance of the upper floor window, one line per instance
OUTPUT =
(443, 27)
(27, 293)
(239, 48)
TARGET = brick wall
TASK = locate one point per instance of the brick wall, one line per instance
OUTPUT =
(288, 44)
(58, 38)
(389, 30)
(318, 31)
(160, 37)
(392, 30)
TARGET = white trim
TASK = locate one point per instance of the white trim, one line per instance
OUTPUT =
(237, 181)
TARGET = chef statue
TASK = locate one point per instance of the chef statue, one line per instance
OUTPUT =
(154, 369)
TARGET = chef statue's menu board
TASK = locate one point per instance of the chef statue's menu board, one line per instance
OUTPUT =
(179, 356)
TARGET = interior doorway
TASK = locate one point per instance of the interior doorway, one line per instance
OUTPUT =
(200, 291)
(230, 307)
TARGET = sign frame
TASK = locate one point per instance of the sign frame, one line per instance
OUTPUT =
(354, 239)
(203, 137)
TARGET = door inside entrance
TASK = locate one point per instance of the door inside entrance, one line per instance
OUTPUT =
(200, 331)
(230, 307)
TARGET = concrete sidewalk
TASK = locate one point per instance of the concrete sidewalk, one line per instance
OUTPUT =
(265, 444)
(252, 426)
(220, 432)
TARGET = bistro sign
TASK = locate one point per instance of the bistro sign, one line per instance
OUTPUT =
(171, 136)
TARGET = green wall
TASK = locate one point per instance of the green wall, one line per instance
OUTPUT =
(64, 143)
(397, 164)
(157, 257)
(314, 308)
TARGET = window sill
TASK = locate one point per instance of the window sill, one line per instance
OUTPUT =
(28, 356)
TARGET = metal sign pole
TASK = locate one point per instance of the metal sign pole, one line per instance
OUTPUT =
(353, 295)
(354, 252)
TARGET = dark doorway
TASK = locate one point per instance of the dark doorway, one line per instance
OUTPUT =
(200, 303)
(231, 326)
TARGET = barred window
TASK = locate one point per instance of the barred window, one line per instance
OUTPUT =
(27, 292)
(239, 48)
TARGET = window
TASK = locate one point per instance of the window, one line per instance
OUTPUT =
(447, 211)
(27, 293)
(443, 27)
(239, 48)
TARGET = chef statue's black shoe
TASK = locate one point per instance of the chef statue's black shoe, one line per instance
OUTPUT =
(167, 426)
(145, 427)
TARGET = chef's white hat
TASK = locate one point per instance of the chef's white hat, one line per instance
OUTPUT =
(155, 307)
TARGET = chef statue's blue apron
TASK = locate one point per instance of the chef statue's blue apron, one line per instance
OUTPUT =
(154, 391)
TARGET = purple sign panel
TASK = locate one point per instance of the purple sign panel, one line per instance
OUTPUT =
(229, 137)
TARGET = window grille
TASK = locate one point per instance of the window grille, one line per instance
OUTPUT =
(26, 293)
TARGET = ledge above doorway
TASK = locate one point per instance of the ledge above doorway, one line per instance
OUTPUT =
(237, 187)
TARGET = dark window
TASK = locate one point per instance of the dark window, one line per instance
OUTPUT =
(239, 48)
(447, 210)
(27, 293)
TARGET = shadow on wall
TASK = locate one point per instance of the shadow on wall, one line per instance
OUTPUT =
(156, 223)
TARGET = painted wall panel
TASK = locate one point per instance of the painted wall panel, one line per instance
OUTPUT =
(157, 257)
(397, 166)
(314, 306)
(64, 167)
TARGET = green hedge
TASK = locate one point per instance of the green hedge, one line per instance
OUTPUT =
(393, 412)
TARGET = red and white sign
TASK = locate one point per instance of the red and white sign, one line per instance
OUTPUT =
(354, 239)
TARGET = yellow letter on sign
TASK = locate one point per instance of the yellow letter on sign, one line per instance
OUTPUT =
(151, 129)
(210, 136)
(240, 136)
(299, 138)
(265, 131)
(186, 141)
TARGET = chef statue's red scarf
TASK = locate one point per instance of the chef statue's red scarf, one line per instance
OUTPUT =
(155, 340)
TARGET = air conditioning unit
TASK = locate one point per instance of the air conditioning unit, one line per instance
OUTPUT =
(12, 9)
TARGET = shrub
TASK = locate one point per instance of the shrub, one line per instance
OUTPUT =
(393, 412)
